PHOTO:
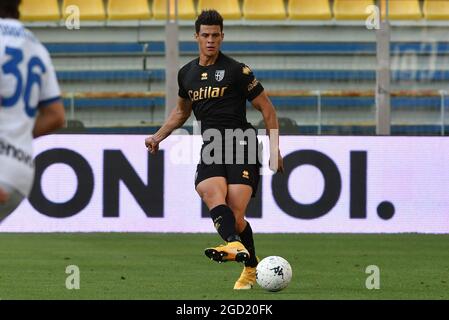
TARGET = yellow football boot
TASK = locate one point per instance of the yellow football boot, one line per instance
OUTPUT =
(232, 251)
(247, 279)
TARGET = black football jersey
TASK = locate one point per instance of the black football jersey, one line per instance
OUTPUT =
(219, 92)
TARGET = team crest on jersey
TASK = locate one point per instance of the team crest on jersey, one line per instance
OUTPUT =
(246, 70)
(219, 75)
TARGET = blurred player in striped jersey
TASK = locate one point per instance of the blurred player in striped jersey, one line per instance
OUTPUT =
(30, 105)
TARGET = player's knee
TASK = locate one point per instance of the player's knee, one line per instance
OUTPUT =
(212, 198)
(204, 194)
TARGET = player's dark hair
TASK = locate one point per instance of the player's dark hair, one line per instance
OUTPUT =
(209, 18)
(9, 9)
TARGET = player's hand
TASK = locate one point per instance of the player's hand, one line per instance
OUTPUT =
(276, 166)
(152, 144)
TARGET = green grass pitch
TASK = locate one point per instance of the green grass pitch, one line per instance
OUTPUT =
(172, 266)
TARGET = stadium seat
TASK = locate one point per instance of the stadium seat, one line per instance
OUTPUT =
(436, 9)
(229, 9)
(42, 10)
(89, 9)
(128, 10)
(186, 9)
(309, 9)
(264, 9)
(402, 10)
(351, 9)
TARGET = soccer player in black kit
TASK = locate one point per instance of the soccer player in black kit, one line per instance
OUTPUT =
(216, 88)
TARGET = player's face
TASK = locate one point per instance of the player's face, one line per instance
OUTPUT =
(209, 40)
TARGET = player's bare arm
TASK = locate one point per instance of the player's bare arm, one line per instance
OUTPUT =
(49, 119)
(263, 103)
(175, 120)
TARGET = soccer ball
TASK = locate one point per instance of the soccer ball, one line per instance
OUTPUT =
(273, 273)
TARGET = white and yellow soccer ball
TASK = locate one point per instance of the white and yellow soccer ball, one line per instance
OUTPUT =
(273, 273)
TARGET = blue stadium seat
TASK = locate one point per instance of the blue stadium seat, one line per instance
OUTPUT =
(298, 75)
(190, 47)
(397, 103)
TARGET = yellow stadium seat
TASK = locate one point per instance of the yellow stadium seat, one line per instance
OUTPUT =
(351, 9)
(402, 10)
(39, 10)
(264, 9)
(309, 9)
(229, 9)
(186, 9)
(128, 10)
(89, 9)
(436, 9)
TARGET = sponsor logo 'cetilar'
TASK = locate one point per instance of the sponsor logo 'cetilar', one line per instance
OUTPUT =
(207, 93)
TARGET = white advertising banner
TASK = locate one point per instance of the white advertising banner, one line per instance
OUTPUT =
(332, 184)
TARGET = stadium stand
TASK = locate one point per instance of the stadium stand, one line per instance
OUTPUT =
(264, 9)
(319, 10)
(229, 9)
(128, 10)
(43, 10)
(301, 106)
(402, 9)
(436, 9)
(309, 9)
(186, 9)
(115, 76)
(351, 10)
(88, 9)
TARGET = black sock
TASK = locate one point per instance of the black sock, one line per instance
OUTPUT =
(248, 242)
(224, 222)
